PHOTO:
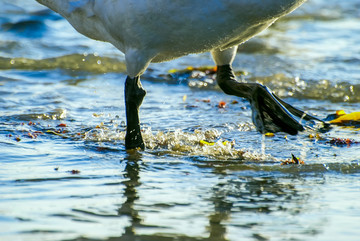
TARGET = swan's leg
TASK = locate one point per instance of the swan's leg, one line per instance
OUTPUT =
(269, 113)
(136, 63)
(134, 95)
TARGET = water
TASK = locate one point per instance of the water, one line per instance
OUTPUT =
(65, 174)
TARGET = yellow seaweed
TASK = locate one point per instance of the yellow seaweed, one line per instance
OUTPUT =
(355, 116)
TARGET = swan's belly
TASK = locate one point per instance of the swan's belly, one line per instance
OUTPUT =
(206, 42)
(165, 30)
(171, 29)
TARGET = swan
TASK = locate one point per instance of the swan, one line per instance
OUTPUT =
(161, 30)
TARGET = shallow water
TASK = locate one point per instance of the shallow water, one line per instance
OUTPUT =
(66, 176)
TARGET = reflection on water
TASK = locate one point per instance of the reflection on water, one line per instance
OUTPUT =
(206, 173)
(132, 181)
(252, 196)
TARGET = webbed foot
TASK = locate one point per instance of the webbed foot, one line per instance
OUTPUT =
(269, 112)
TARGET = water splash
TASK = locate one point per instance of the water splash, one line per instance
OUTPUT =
(181, 143)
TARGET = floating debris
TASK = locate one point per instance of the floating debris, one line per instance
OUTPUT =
(97, 115)
(342, 142)
(203, 100)
(74, 172)
(335, 141)
(316, 136)
(56, 132)
(100, 125)
(31, 135)
(343, 119)
(293, 161)
(30, 123)
(337, 114)
(222, 104)
(269, 134)
(191, 106)
(209, 143)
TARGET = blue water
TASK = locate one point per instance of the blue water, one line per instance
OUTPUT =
(65, 174)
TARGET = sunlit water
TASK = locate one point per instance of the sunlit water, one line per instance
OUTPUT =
(65, 174)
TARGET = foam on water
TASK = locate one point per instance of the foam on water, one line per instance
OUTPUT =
(181, 143)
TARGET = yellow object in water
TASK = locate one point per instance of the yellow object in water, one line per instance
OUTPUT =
(340, 112)
(344, 118)
(184, 98)
(203, 143)
(269, 134)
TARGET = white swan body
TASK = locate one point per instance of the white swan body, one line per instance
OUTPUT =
(160, 30)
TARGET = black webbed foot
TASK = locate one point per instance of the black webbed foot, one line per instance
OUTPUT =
(269, 115)
(269, 112)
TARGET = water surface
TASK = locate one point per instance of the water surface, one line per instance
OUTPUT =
(65, 174)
